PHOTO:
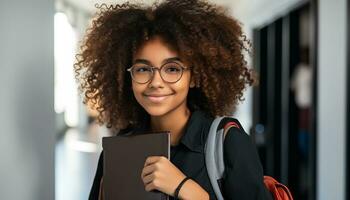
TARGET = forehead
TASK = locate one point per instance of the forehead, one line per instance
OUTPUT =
(155, 50)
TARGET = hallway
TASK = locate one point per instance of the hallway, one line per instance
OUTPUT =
(76, 156)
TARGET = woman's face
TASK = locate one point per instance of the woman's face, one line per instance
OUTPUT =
(158, 97)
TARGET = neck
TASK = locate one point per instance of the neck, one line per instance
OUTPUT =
(167, 123)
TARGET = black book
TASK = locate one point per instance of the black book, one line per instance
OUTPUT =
(124, 158)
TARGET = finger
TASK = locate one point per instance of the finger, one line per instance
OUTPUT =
(152, 159)
(149, 178)
(152, 186)
(147, 170)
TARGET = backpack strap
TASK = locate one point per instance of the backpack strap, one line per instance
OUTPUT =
(214, 156)
(214, 160)
(214, 151)
(230, 125)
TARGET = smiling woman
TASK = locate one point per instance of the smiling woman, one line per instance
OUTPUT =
(215, 55)
(156, 68)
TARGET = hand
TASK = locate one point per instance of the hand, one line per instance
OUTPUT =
(160, 174)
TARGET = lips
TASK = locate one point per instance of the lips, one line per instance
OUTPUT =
(156, 98)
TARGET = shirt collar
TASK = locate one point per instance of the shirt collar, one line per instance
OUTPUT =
(196, 131)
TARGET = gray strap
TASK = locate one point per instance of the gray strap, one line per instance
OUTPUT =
(214, 158)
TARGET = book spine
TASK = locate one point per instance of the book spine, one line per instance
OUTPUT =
(168, 145)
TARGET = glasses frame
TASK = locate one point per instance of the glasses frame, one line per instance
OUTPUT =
(159, 70)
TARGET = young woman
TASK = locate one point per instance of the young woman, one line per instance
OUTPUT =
(172, 66)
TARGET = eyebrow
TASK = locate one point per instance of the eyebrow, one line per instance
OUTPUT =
(140, 60)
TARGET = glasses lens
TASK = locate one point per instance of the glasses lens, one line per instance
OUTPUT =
(141, 73)
(171, 72)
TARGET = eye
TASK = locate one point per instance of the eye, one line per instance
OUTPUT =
(142, 69)
(172, 68)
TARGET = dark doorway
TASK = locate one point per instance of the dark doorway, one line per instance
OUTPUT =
(284, 126)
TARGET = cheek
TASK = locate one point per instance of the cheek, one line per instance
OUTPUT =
(185, 82)
(137, 91)
(182, 86)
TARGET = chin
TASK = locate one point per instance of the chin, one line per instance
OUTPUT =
(157, 111)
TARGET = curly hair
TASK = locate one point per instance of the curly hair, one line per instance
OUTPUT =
(203, 34)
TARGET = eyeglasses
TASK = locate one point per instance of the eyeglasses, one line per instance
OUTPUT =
(170, 72)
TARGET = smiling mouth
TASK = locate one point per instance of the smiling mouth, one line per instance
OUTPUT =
(157, 99)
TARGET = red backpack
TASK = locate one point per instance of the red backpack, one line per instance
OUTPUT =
(214, 161)
(278, 190)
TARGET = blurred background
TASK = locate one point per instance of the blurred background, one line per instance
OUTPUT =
(298, 117)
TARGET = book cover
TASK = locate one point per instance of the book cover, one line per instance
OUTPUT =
(124, 158)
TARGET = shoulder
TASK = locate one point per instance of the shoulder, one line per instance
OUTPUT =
(239, 148)
(243, 170)
(238, 138)
(235, 135)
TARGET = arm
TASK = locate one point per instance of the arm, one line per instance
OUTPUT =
(191, 191)
(160, 174)
(243, 178)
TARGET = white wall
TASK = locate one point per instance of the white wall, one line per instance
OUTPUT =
(26, 100)
(331, 100)
(257, 12)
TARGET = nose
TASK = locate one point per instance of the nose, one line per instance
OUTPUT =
(156, 80)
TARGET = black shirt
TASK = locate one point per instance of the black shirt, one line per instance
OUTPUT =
(243, 177)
